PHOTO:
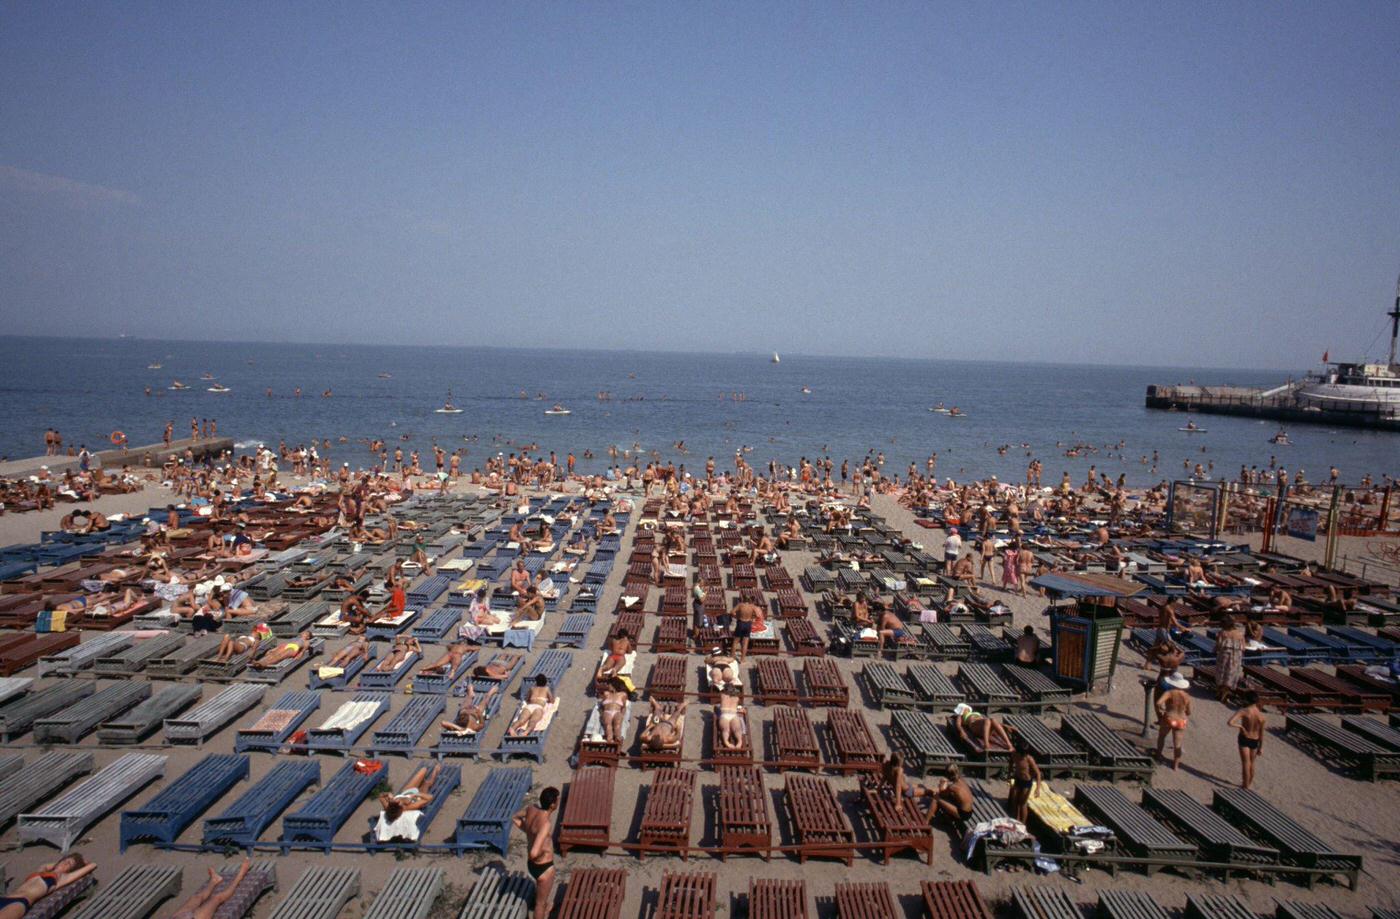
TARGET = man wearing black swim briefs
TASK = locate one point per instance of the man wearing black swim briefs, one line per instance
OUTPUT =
(537, 825)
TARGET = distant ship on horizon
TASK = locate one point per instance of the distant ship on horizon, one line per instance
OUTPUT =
(776, 359)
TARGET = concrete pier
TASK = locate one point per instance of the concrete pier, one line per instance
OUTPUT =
(1279, 403)
(145, 457)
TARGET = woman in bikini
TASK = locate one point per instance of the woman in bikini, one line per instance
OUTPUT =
(288, 650)
(43, 882)
(729, 722)
(230, 646)
(399, 818)
(611, 704)
(403, 649)
(207, 900)
(533, 709)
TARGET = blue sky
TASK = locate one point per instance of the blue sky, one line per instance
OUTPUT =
(1197, 184)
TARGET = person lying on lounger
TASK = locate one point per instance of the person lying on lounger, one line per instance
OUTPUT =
(399, 819)
(41, 883)
(980, 732)
(286, 651)
(404, 647)
(729, 723)
(103, 604)
(618, 648)
(448, 663)
(498, 668)
(230, 646)
(664, 731)
(612, 702)
(207, 900)
(355, 651)
(578, 545)
(722, 667)
(471, 716)
(534, 708)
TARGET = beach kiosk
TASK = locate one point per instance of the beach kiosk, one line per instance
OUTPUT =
(1086, 625)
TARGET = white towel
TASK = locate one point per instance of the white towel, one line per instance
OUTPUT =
(350, 715)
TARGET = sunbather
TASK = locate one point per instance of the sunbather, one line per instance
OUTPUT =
(498, 668)
(404, 648)
(618, 648)
(529, 607)
(891, 628)
(230, 646)
(729, 720)
(533, 709)
(612, 702)
(43, 882)
(399, 819)
(980, 732)
(207, 900)
(448, 663)
(471, 716)
(722, 668)
(356, 650)
(951, 799)
(286, 651)
(665, 728)
(354, 613)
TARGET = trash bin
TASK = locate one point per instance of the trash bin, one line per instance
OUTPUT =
(1084, 641)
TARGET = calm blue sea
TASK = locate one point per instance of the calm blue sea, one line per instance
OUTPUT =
(86, 388)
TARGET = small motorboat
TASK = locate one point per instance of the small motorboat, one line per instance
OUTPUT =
(806, 390)
(206, 375)
(447, 407)
(956, 412)
(1191, 428)
(178, 385)
(557, 410)
(154, 366)
(219, 387)
(1281, 439)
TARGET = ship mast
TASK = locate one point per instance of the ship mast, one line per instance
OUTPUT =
(1394, 323)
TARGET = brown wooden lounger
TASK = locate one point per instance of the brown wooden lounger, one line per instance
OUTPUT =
(954, 900)
(794, 740)
(587, 809)
(773, 899)
(745, 823)
(775, 683)
(686, 896)
(824, 683)
(593, 893)
(666, 683)
(666, 816)
(865, 900)
(854, 744)
(821, 828)
(899, 824)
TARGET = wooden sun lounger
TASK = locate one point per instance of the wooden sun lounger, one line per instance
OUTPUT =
(946, 644)
(1351, 696)
(805, 640)
(587, 816)
(666, 682)
(448, 780)
(320, 893)
(770, 898)
(261, 877)
(986, 687)
(299, 618)
(745, 822)
(82, 656)
(498, 895)
(898, 827)
(180, 661)
(1134, 827)
(820, 827)
(1374, 730)
(601, 752)
(371, 678)
(953, 900)
(1331, 741)
(487, 820)
(403, 731)
(243, 821)
(1044, 903)
(13, 686)
(210, 716)
(162, 819)
(1219, 840)
(314, 824)
(573, 631)
(46, 776)
(1107, 751)
(134, 894)
(925, 747)
(1297, 909)
(1283, 690)
(593, 893)
(19, 716)
(408, 894)
(776, 685)
(824, 684)
(435, 626)
(342, 739)
(276, 723)
(271, 676)
(665, 823)
(130, 660)
(1216, 906)
(1127, 904)
(1036, 688)
(1053, 753)
(442, 683)
(686, 896)
(865, 900)
(33, 648)
(936, 691)
(794, 740)
(315, 681)
(889, 689)
(69, 724)
(64, 819)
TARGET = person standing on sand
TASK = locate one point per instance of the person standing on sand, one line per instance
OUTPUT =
(537, 825)
(1250, 722)
(1173, 714)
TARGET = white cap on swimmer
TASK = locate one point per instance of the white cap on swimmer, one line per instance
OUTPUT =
(962, 709)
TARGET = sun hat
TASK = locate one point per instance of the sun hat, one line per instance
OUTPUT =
(962, 709)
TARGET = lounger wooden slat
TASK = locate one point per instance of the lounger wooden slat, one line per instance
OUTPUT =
(1374, 730)
(745, 821)
(1297, 845)
(14, 686)
(320, 893)
(314, 824)
(1036, 687)
(299, 618)
(594, 893)
(574, 630)
(1052, 751)
(210, 716)
(81, 657)
(803, 637)
(865, 900)
(794, 740)
(888, 687)
(136, 724)
(1297, 909)
(132, 659)
(824, 683)
(1134, 827)
(162, 819)
(1352, 697)
(1107, 750)
(17, 717)
(953, 900)
(1277, 688)
(498, 895)
(854, 745)
(1330, 741)
(133, 894)
(487, 820)
(1216, 906)
(822, 830)
(42, 778)
(665, 823)
(947, 644)
(180, 661)
(344, 727)
(587, 814)
(925, 747)
(243, 821)
(776, 685)
(666, 682)
(985, 686)
(1218, 839)
(1044, 903)
(33, 648)
(1124, 904)
(935, 689)
(69, 724)
(408, 894)
(277, 722)
(686, 896)
(61, 821)
(897, 824)
(402, 732)
(770, 898)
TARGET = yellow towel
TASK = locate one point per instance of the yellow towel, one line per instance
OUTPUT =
(330, 673)
(58, 620)
(1055, 810)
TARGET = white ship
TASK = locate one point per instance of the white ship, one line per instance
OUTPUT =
(1367, 388)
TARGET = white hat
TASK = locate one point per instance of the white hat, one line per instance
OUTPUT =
(1176, 681)
(219, 581)
(962, 709)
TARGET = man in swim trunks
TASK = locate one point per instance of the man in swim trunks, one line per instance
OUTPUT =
(530, 608)
(1250, 722)
(665, 729)
(356, 650)
(744, 614)
(404, 648)
(891, 628)
(447, 664)
(498, 668)
(1025, 780)
(537, 825)
(618, 648)
(952, 799)
(1173, 713)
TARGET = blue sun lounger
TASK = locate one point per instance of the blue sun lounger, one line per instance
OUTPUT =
(597, 573)
(301, 703)
(574, 631)
(428, 590)
(372, 679)
(441, 683)
(435, 626)
(585, 600)
(450, 744)
(162, 819)
(447, 782)
(314, 826)
(335, 735)
(403, 731)
(487, 820)
(313, 681)
(553, 664)
(243, 821)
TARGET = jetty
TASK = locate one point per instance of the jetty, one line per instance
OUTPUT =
(1281, 403)
(149, 456)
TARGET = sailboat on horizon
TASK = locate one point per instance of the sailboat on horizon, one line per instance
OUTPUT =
(776, 359)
